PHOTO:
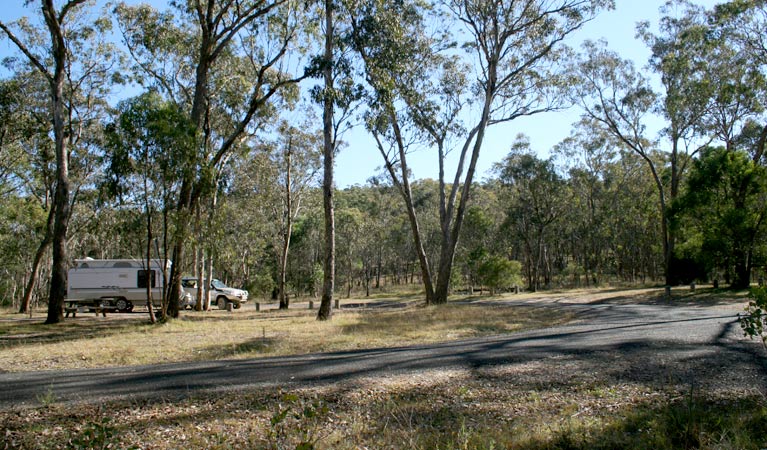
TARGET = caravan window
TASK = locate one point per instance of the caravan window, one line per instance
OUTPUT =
(144, 275)
(122, 265)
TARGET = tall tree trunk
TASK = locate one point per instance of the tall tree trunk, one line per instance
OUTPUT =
(328, 283)
(447, 253)
(173, 290)
(742, 270)
(26, 301)
(287, 232)
(199, 263)
(35, 272)
(415, 228)
(188, 201)
(61, 205)
(149, 238)
(208, 282)
(403, 184)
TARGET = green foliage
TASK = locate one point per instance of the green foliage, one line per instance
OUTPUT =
(151, 141)
(497, 272)
(48, 398)
(536, 200)
(96, 435)
(723, 212)
(317, 276)
(20, 217)
(261, 283)
(298, 423)
(754, 322)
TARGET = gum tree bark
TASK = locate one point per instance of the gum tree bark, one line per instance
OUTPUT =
(56, 77)
(325, 311)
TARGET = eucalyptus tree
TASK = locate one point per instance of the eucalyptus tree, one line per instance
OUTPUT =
(747, 20)
(225, 63)
(26, 185)
(514, 48)
(538, 196)
(329, 141)
(297, 160)
(739, 69)
(390, 41)
(339, 95)
(738, 86)
(26, 161)
(620, 100)
(69, 49)
(144, 145)
(724, 207)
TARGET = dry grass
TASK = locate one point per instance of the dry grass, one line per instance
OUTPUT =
(568, 402)
(128, 339)
(517, 407)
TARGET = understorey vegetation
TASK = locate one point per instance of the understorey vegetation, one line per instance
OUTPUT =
(221, 157)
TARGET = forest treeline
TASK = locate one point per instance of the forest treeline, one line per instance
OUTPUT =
(221, 157)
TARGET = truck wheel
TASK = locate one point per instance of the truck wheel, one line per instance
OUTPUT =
(221, 302)
(122, 304)
(237, 305)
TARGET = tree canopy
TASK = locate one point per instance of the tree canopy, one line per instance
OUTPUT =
(213, 158)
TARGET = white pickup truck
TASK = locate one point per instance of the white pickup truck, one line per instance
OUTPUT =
(220, 293)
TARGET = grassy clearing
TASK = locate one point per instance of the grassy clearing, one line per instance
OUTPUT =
(128, 339)
(567, 402)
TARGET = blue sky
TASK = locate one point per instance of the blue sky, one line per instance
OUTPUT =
(359, 160)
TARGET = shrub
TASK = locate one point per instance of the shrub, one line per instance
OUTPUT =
(754, 322)
(497, 272)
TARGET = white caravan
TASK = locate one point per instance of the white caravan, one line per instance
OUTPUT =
(116, 283)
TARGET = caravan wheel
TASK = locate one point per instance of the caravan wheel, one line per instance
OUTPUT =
(123, 305)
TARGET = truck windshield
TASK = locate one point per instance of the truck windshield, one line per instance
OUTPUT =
(218, 284)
